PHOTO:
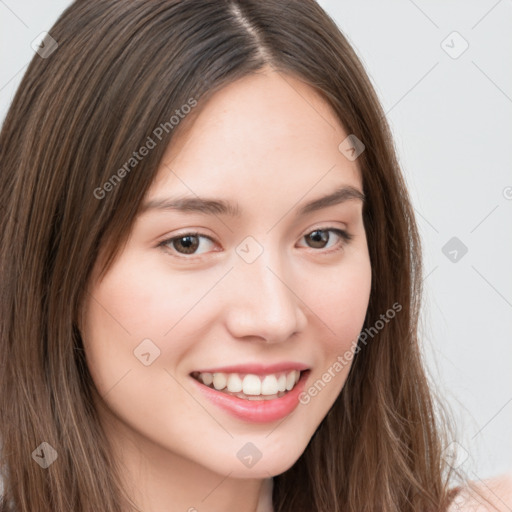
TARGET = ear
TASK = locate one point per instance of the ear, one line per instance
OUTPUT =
(489, 495)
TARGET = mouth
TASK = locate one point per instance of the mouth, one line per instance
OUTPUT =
(252, 397)
(250, 386)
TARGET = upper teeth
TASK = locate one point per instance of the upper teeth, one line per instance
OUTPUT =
(251, 384)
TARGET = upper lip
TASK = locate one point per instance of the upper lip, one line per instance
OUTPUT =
(257, 369)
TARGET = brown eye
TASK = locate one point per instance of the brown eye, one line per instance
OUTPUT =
(187, 243)
(319, 238)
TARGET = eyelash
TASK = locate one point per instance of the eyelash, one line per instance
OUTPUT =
(344, 235)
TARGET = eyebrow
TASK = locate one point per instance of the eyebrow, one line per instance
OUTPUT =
(213, 206)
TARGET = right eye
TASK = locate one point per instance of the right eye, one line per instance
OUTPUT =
(185, 243)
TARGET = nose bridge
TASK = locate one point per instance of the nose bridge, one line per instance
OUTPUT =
(265, 305)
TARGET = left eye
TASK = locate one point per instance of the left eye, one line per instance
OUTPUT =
(321, 236)
(188, 243)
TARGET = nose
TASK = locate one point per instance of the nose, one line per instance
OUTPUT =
(264, 301)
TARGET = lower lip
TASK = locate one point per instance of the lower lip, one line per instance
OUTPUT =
(256, 411)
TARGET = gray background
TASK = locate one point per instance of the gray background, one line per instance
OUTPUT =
(451, 116)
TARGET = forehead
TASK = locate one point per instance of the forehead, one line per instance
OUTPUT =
(264, 133)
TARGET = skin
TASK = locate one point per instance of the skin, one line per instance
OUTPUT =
(488, 495)
(270, 143)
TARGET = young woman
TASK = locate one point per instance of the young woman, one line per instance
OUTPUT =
(211, 273)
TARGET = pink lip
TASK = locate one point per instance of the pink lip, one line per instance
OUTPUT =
(257, 369)
(257, 411)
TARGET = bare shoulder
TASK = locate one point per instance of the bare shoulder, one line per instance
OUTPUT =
(487, 495)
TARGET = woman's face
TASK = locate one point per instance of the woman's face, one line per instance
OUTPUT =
(276, 284)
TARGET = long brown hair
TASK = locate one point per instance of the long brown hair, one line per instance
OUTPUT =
(119, 70)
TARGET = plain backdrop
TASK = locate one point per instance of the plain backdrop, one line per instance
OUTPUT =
(443, 73)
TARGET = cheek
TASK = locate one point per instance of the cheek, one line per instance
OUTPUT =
(136, 300)
(341, 308)
(126, 317)
(342, 303)
(129, 307)
(117, 319)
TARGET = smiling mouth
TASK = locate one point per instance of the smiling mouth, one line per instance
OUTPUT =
(250, 386)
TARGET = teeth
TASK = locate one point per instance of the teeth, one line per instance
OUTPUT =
(269, 385)
(250, 384)
(234, 383)
(290, 381)
(281, 382)
(207, 378)
(219, 381)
